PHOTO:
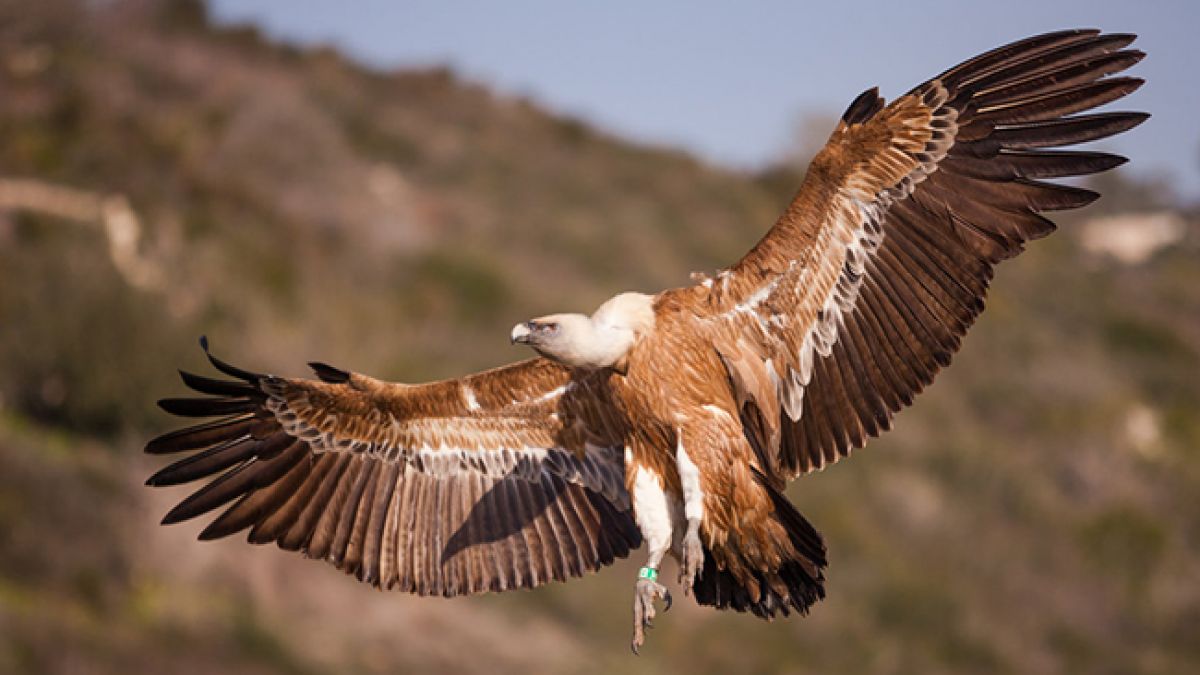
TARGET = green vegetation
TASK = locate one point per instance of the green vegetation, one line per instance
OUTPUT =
(1037, 511)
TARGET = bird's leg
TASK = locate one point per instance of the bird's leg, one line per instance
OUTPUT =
(653, 515)
(691, 560)
(645, 593)
(692, 557)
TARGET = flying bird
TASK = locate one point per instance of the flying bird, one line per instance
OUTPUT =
(677, 419)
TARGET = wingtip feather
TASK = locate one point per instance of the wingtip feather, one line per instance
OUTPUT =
(216, 530)
(329, 373)
(173, 516)
(232, 371)
(863, 107)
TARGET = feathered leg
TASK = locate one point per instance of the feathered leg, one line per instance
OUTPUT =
(653, 509)
(691, 552)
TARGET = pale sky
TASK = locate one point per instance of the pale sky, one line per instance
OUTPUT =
(731, 81)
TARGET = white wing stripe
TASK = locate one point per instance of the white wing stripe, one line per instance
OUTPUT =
(853, 235)
(600, 469)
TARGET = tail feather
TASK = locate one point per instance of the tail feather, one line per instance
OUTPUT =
(795, 585)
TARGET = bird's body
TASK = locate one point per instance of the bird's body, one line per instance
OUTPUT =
(678, 418)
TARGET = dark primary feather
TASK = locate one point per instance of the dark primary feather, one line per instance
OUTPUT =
(863, 107)
(229, 370)
(1051, 134)
(202, 435)
(328, 373)
(207, 407)
(202, 464)
(207, 385)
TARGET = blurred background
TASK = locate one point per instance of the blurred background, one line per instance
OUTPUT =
(389, 188)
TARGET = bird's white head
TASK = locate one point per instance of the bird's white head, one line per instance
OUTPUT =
(599, 341)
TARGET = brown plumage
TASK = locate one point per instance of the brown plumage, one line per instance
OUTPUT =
(678, 418)
(348, 469)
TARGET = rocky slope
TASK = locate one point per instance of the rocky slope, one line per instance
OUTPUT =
(1037, 511)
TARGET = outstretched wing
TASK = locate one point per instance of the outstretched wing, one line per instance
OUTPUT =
(864, 287)
(504, 479)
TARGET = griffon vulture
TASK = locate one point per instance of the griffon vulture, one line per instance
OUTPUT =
(678, 418)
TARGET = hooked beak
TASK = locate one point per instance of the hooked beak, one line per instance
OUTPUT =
(520, 334)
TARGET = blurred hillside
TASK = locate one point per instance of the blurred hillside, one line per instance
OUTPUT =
(1038, 511)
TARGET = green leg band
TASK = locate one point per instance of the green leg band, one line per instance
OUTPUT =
(648, 573)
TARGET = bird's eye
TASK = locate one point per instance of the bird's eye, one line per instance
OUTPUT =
(549, 327)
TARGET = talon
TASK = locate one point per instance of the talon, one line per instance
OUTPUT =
(647, 591)
(692, 563)
(639, 636)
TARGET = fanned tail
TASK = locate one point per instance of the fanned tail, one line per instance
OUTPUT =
(795, 585)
